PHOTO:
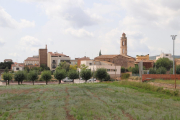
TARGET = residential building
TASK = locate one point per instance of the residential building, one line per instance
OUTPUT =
(122, 59)
(33, 61)
(43, 56)
(142, 57)
(55, 58)
(17, 66)
(73, 62)
(8, 60)
(165, 55)
(146, 63)
(80, 59)
(113, 70)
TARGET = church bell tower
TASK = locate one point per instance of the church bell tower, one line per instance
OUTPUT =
(123, 43)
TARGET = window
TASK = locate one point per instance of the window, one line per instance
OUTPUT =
(108, 70)
(17, 68)
(90, 63)
(123, 43)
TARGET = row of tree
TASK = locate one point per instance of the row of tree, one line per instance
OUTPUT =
(59, 74)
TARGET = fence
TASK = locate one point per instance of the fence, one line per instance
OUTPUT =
(146, 77)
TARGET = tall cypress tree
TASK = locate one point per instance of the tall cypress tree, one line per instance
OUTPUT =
(100, 53)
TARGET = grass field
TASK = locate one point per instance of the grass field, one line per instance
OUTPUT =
(101, 101)
(165, 81)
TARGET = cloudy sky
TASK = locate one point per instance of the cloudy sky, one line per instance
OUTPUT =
(84, 27)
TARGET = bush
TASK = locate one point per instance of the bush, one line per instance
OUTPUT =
(161, 70)
(130, 69)
(152, 71)
(125, 76)
(122, 70)
(164, 62)
(33, 75)
(177, 70)
(108, 78)
(135, 70)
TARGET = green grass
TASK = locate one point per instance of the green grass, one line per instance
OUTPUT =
(165, 81)
(106, 101)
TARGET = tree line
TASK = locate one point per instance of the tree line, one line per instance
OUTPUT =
(61, 72)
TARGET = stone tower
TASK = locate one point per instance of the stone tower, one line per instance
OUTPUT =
(123, 43)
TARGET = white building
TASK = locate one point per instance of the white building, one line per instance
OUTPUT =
(165, 55)
(55, 58)
(32, 60)
(17, 66)
(113, 70)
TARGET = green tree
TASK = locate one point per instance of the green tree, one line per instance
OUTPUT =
(46, 75)
(85, 74)
(152, 71)
(101, 74)
(135, 70)
(177, 70)
(73, 67)
(161, 70)
(33, 75)
(107, 78)
(63, 65)
(83, 67)
(6, 70)
(26, 69)
(164, 62)
(60, 74)
(122, 69)
(20, 76)
(73, 75)
(100, 53)
(7, 77)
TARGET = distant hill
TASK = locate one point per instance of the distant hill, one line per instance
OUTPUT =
(154, 57)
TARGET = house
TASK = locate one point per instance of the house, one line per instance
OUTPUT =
(17, 66)
(33, 61)
(113, 70)
(146, 63)
(8, 60)
(55, 58)
(165, 55)
(142, 57)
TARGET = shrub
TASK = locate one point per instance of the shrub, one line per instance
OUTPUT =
(108, 78)
(122, 70)
(164, 62)
(177, 70)
(135, 70)
(60, 74)
(85, 74)
(101, 74)
(130, 69)
(46, 75)
(161, 70)
(125, 76)
(152, 71)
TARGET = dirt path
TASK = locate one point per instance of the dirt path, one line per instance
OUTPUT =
(69, 117)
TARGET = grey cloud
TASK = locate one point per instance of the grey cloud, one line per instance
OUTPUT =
(172, 4)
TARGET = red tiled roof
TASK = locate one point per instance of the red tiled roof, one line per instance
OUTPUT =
(57, 54)
(107, 56)
(32, 59)
(19, 64)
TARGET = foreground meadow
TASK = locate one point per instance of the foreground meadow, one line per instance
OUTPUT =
(99, 101)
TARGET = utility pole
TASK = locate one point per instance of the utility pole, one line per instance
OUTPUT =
(173, 38)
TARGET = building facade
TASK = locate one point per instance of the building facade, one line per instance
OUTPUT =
(55, 58)
(113, 70)
(17, 66)
(142, 57)
(119, 60)
(146, 63)
(34, 61)
(43, 56)
(8, 60)
(165, 55)
(80, 59)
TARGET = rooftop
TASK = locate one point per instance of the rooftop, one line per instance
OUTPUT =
(57, 54)
(32, 59)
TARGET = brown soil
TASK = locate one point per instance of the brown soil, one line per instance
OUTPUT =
(69, 117)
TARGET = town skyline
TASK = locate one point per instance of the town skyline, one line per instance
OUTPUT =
(80, 28)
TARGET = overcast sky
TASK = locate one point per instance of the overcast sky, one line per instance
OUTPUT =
(84, 27)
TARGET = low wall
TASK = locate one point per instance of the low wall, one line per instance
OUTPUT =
(146, 77)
